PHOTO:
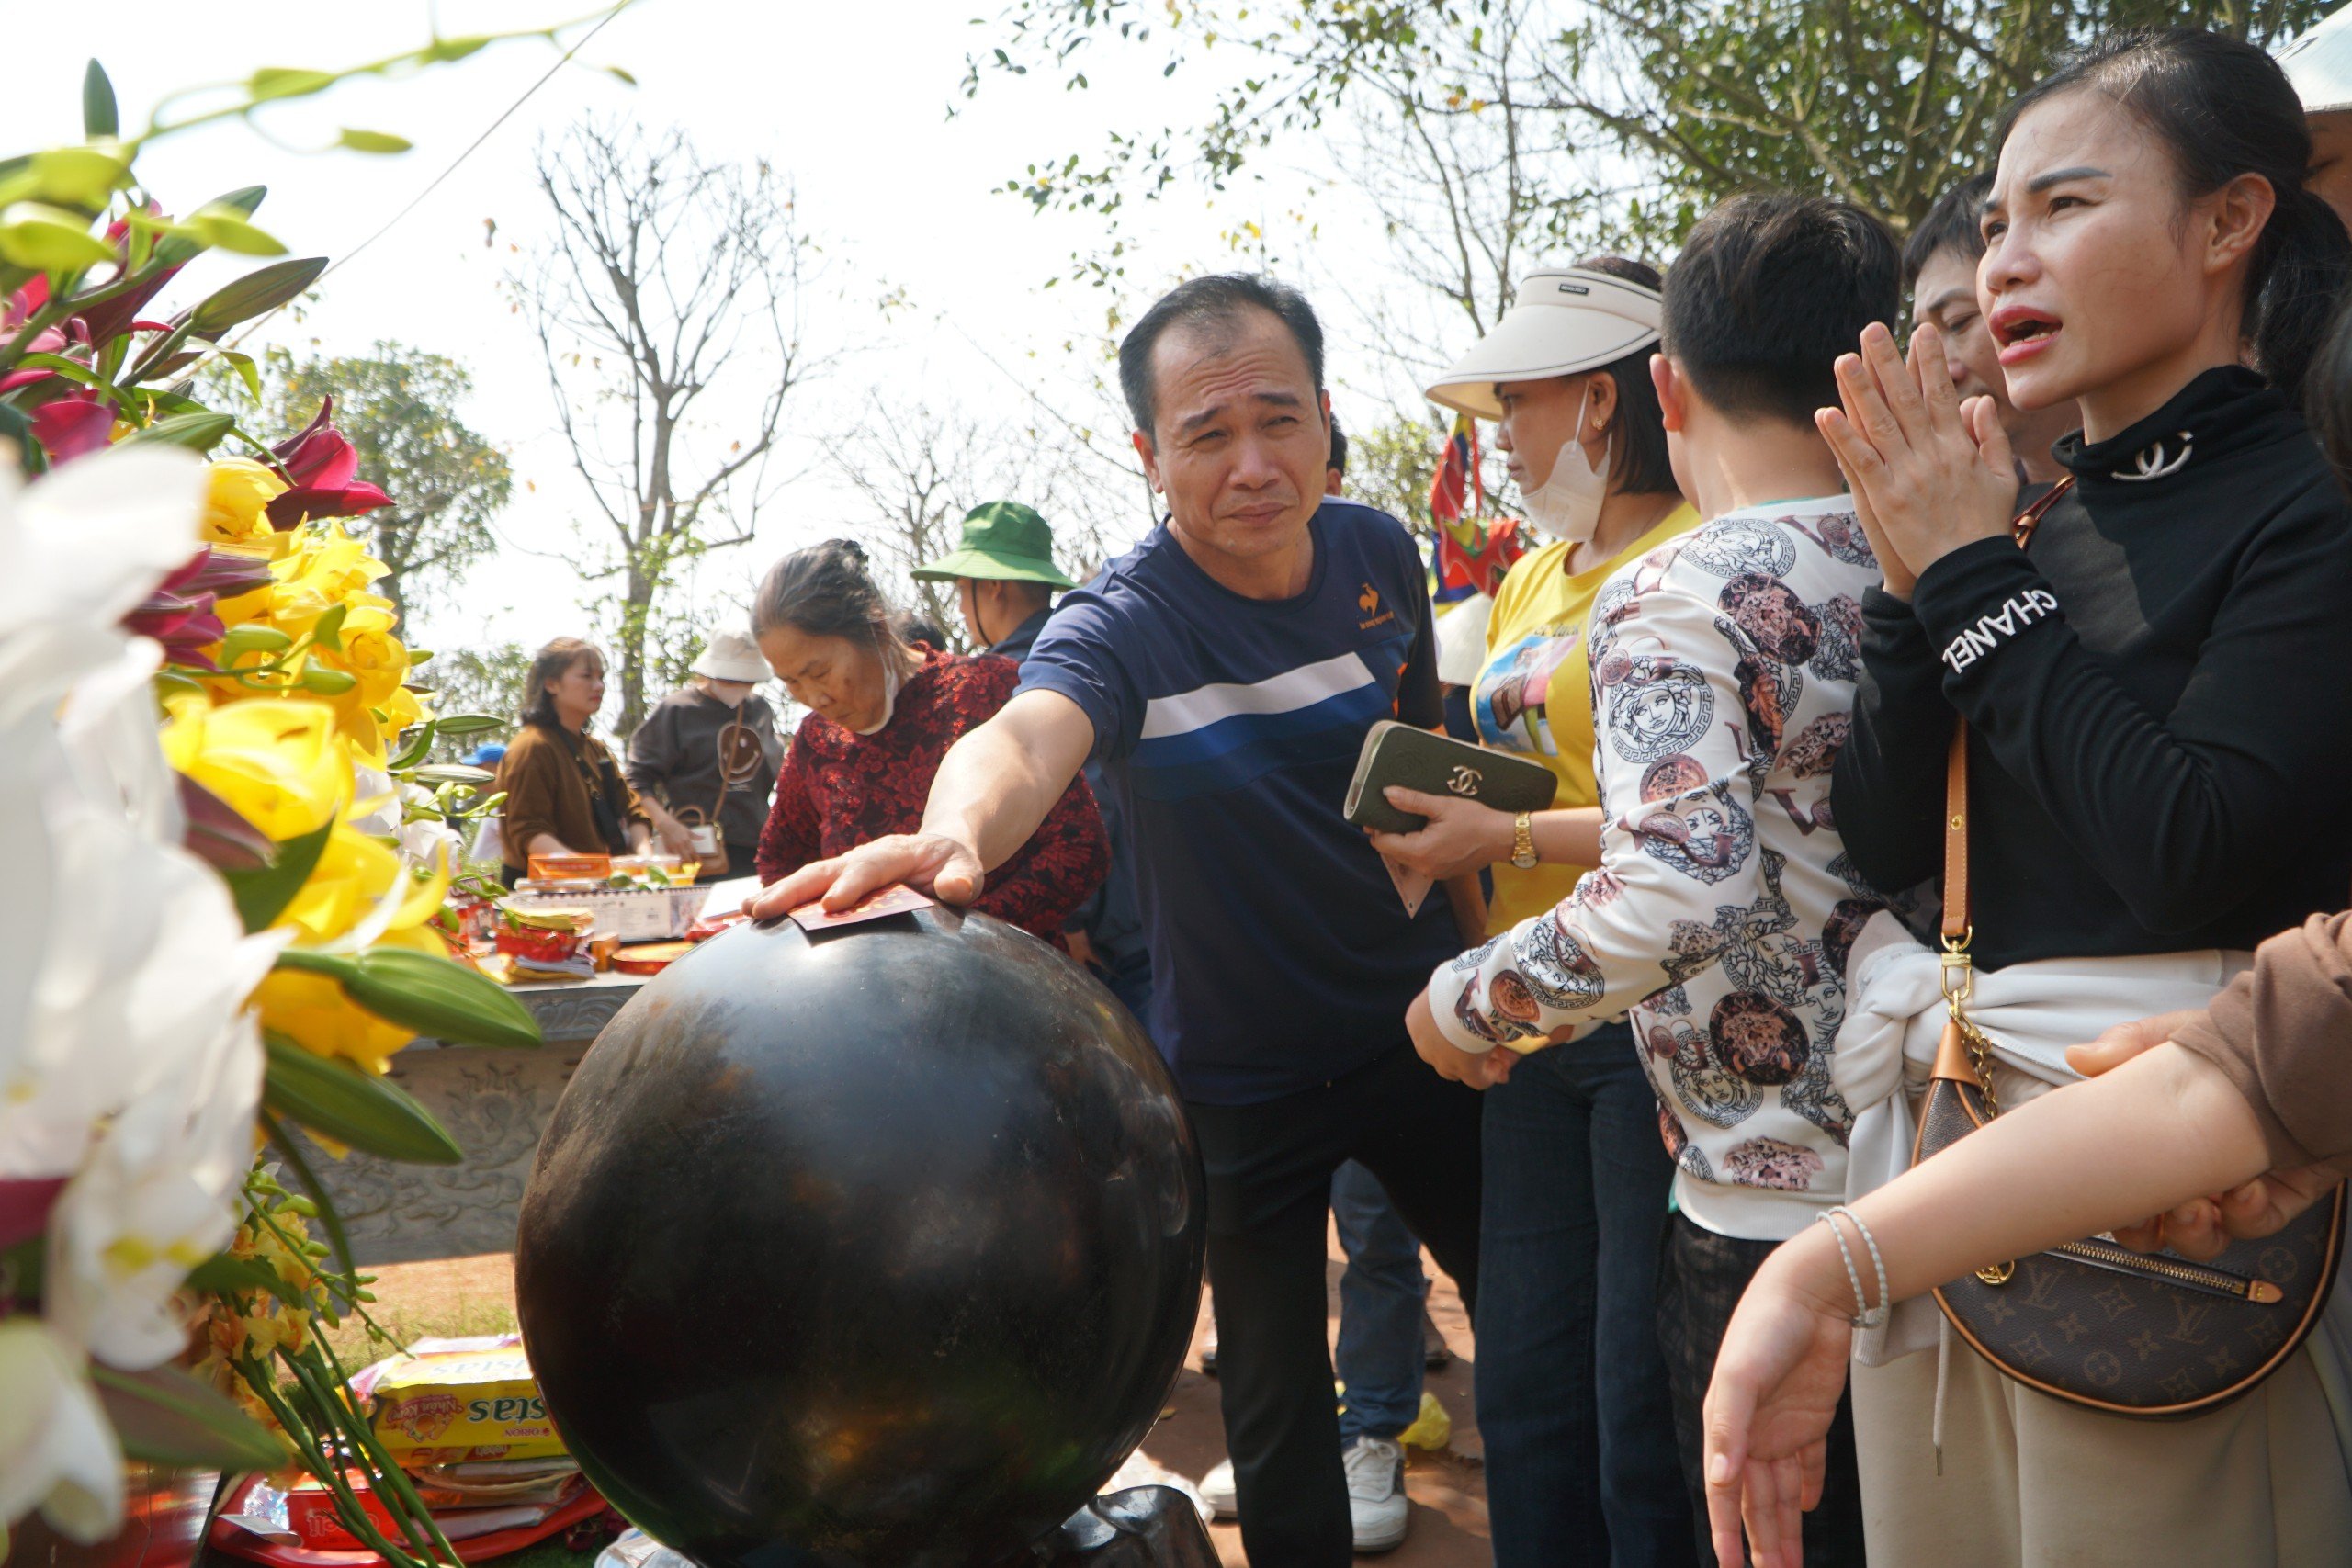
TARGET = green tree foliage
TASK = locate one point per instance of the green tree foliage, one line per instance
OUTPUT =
(1390, 467)
(485, 679)
(1886, 103)
(447, 482)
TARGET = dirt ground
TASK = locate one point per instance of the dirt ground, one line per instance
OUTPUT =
(476, 1295)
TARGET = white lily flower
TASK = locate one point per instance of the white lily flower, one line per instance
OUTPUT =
(424, 840)
(58, 1452)
(128, 1063)
(78, 550)
(377, 790)
(156, 1197)
(138, 958)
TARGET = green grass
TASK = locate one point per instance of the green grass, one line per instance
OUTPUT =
(352, 1345)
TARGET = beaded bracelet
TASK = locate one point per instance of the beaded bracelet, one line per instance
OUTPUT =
(1865, 1315)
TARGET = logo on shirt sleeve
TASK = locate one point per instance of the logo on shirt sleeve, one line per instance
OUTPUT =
(2019, 612)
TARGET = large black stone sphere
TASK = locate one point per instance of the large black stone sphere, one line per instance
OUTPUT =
(873, 1248)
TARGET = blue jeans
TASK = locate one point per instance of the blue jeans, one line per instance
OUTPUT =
(1573, 1402)
(1379, 1361)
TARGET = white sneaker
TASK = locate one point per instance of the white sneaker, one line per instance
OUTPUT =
(1376, 1507)
(1217, 1491)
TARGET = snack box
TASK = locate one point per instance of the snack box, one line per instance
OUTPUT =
(646, 914)
(455, 1400)
(544, 934)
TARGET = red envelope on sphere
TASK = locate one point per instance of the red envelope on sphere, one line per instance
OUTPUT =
(896, 899)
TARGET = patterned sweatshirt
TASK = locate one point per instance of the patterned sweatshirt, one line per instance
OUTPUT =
(1723, 666)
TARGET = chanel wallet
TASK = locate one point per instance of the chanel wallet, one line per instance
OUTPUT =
(1396, 753)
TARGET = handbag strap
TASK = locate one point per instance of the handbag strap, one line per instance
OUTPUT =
(726, 780)
(1957, 925)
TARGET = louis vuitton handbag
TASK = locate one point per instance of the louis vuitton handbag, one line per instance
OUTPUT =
(2153, 1336)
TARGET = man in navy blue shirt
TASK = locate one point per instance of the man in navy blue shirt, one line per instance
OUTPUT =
(1225, 672)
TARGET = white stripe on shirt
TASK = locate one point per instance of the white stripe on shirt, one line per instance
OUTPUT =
(1286, 692)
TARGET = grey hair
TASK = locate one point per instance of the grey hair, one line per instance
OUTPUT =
(825, 591)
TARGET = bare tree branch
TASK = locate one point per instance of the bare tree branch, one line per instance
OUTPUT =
(665, 279)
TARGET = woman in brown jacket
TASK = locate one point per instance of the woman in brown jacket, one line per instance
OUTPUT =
(564, 793)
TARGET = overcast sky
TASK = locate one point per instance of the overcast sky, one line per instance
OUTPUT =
(851, 101)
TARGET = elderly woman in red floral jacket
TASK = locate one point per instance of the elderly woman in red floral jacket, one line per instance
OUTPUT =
(883, 713)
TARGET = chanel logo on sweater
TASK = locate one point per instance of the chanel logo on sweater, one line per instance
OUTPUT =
(2152, 463)
(2021, 611)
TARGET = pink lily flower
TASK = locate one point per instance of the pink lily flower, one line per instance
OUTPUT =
(72, 426)
(179, 612)
(322, 465)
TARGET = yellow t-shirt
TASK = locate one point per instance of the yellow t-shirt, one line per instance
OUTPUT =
(1534, 694)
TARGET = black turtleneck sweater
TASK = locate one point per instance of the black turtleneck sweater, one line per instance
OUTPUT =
(2158, 693)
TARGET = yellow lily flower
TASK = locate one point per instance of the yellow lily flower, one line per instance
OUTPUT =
(326, 566)
(312, 1011)
(278, 764)
(236, 496)
(370, 654)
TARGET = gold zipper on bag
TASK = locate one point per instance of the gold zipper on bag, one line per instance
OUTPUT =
(2121, 1259)
(1959, 988)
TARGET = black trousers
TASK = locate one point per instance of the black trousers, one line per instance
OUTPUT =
(1699, 1284)
(1270, 1169)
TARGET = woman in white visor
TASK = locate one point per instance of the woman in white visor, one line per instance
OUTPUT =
(1572, 1394)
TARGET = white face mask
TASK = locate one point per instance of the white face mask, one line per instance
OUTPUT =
(890, 697)
(1566, 505)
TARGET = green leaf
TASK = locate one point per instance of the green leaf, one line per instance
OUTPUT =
(325, 681)
(81, 177)
(621, 76)
(258, 292)
(272, 82)
(327, 631)
(166, 1416)
(72, 369)
(247, 371)
(455, 773)
(197, 432)
(262, 895)
(49, 239)
(416, 750)
(448, 49)
(372, 140)
(438, 997)
(283, 1141)
(180, 244)
(220, 1273)
(464, 723)
(227, 230)
(99, 116)
(22, 1266)
(350, 1105)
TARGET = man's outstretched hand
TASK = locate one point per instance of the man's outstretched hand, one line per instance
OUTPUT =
(940, 866)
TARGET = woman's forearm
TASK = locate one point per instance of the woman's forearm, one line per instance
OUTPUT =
(546, 844)
(1568, 837)
(2161, 1128)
